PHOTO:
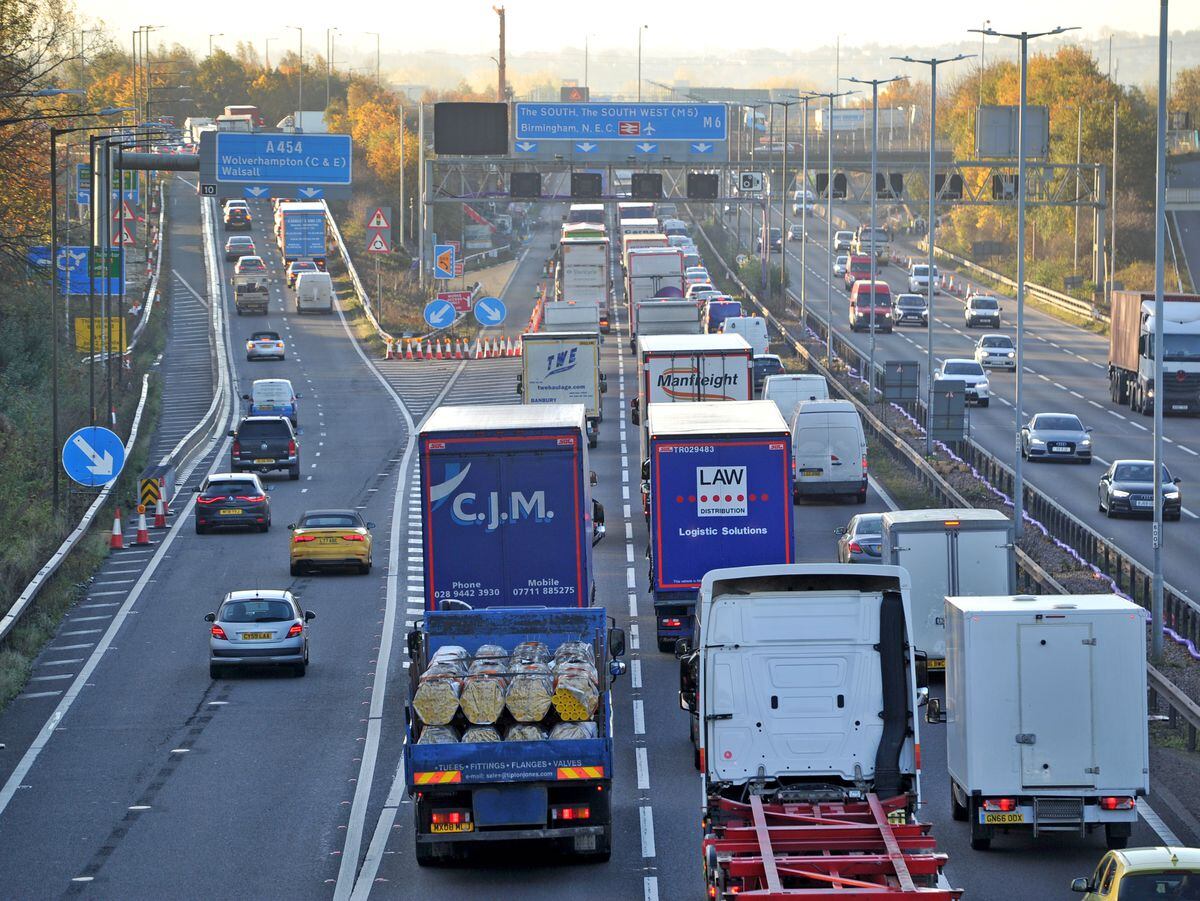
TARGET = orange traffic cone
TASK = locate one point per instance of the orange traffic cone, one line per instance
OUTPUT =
(116, 541)
(437, 350)
(428, 351)
(160, 515)
(508, 347)
(387, 354)
(417, 355)
(143, 534)
(458, 353)
(520, 346)
(408, 354)
(478, 354)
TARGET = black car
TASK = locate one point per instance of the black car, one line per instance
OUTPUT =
(237, 218)
(908, 308)
(1127, 486)
(774, 239)
(264, 443)
(228, 499)
(763, 366)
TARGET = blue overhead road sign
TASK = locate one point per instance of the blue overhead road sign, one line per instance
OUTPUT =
(490, 311)
(620, 121)
(93, 456)
(264, 158)
(439, 313)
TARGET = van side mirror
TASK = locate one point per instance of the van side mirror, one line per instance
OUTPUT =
(520, 386)
(645, 470)
(1081, 885)
(592, 480)
(921, 660)
(933, 712)
(616, 642)
(635, 415)
(210, 617)
(195, 489)
(682, 648)
(245, 397)
(309, 616)
(414, 645)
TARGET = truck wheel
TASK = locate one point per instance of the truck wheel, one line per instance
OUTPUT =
(426, 854)
(1116, 836)
(294, 473)
(958, 812)
(981, 835)
(666, 645)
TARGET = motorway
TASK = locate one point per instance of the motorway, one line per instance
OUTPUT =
(132, 774)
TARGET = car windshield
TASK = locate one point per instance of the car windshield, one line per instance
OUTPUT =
(985, 303)
(263, 428)
(1058, 423)
(996, 341)
(775, 234)
(910, 300)
(230, 489)
(963, 368)
(265, 336)
(331, 521)
(922, 271)
(768, 366)
(1170, 884)
(1181, 347)
(1138, 472)
(258, 610)
(305, 265)
(868, 525)
(841, 261)
(241, 241)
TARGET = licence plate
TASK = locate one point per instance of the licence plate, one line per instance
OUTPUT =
(264, 460)
(255, 636)
(1179, 406)
(1003, 819)
(451, 827)
(1142, 504)
(1055, 449)
(812, 472)
(233, 512)
(327, 541)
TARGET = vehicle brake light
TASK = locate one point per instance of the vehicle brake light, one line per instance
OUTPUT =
(295, 630)
(864, 462)
(1116, 803)
(951, 523)
(209, 500)
(672, 622)
(354, 537)
(249, 345)
(291, 448)
(570, 813)
(300, 539)
(1004, 805)
(441, 817)
(855, 547)
(218, 632)
(237, 448)
(252, 498)
(279, 344)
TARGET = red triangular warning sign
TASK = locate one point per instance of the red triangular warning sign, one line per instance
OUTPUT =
(127, 240)
(378, 219)
(378, 244)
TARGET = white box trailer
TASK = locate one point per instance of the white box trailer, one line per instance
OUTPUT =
(571, 316)
(563, 368)
(948, 552)
(653, 272)
(1045, 714)
(663, 317)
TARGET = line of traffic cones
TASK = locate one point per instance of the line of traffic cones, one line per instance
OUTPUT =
(456, 349)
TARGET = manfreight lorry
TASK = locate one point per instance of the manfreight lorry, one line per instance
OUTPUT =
(686, 369)
(583, 275)
(720, 486)
(507, 514)
(301, 231)
(1131, 364)
(251, 293)
(547, 780)
(804, 692)
(564, 368)
(572, 316)
(1045, 714)
(968, 551)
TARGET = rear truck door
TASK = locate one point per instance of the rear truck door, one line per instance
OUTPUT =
(1056, 737)
(982, 563)
(929, 555)
(845, 454)
(811, 449)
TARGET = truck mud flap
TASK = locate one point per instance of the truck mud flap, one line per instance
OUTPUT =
(896, 713)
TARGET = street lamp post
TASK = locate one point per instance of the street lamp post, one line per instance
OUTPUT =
(931, 226)
(639, 89)
(218, 34)
(1160, 197)
(300, 86)
(783, 281)
(874, 83)
(376, 35)
(329, 42)
(1023, 37)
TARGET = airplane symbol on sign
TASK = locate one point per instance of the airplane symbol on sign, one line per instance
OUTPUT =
(629, 128)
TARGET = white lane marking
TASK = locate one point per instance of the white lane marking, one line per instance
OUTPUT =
(1077, 394)
(630, 580)
(57, 678)
(635, 641)
(639, 718)
(1138, 425)
(1190, 514)
(1114, 413)
(633, 605)
(37, 694)
(643, 768)
(646, 816)
(61, 662)
(1188, 450)
(71, 647)
(1154, 821)
(629, 552)
(1096, 405)
(635, 673)
(1060, 386)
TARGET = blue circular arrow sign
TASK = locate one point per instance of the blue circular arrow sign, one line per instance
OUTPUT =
(490, 311)
(439, 313)
(93, 456)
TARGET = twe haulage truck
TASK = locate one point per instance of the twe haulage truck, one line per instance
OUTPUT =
(720, 488)
(805, 687)
(506, 510)
(1045, 714)
(1130, 356)
(564, 368)
(967, 551)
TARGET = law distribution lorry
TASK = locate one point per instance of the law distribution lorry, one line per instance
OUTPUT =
(1131, 362)
(506, 506)
(564, 368)
(583, 274)
(1045, 714)
(688, 368)
(300, 229)
(720, 486)
(968, 551)
(804, 687)
(553, 789)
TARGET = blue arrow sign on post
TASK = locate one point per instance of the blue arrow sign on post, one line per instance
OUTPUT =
(490, 311)
(620, 121)
(266, 158)
(93, 456)
(439, 313)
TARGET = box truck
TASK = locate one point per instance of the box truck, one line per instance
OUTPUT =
(653, 272)
(556, 786)
(1130, 365)
(571, 316)
(584, 272)
(804, 693)
(663, 317)
(506, 510)
(563, 368)
(1045, 714)
(720, 487)
(300, 227)
(948, 552)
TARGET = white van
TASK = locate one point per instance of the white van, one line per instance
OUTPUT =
(314, 292)
(789, 389)
(752, 328)
(829, 450)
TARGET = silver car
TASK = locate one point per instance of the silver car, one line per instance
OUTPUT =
(996, 351)
(840, 263)
(262, 627)
(1056, 436)
(977, 387)
(266, 345)
(860, 539)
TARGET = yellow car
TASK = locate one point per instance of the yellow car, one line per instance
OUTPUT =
(330, 538)
(1144, 874)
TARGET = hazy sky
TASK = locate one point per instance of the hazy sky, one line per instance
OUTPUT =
(536, 25)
